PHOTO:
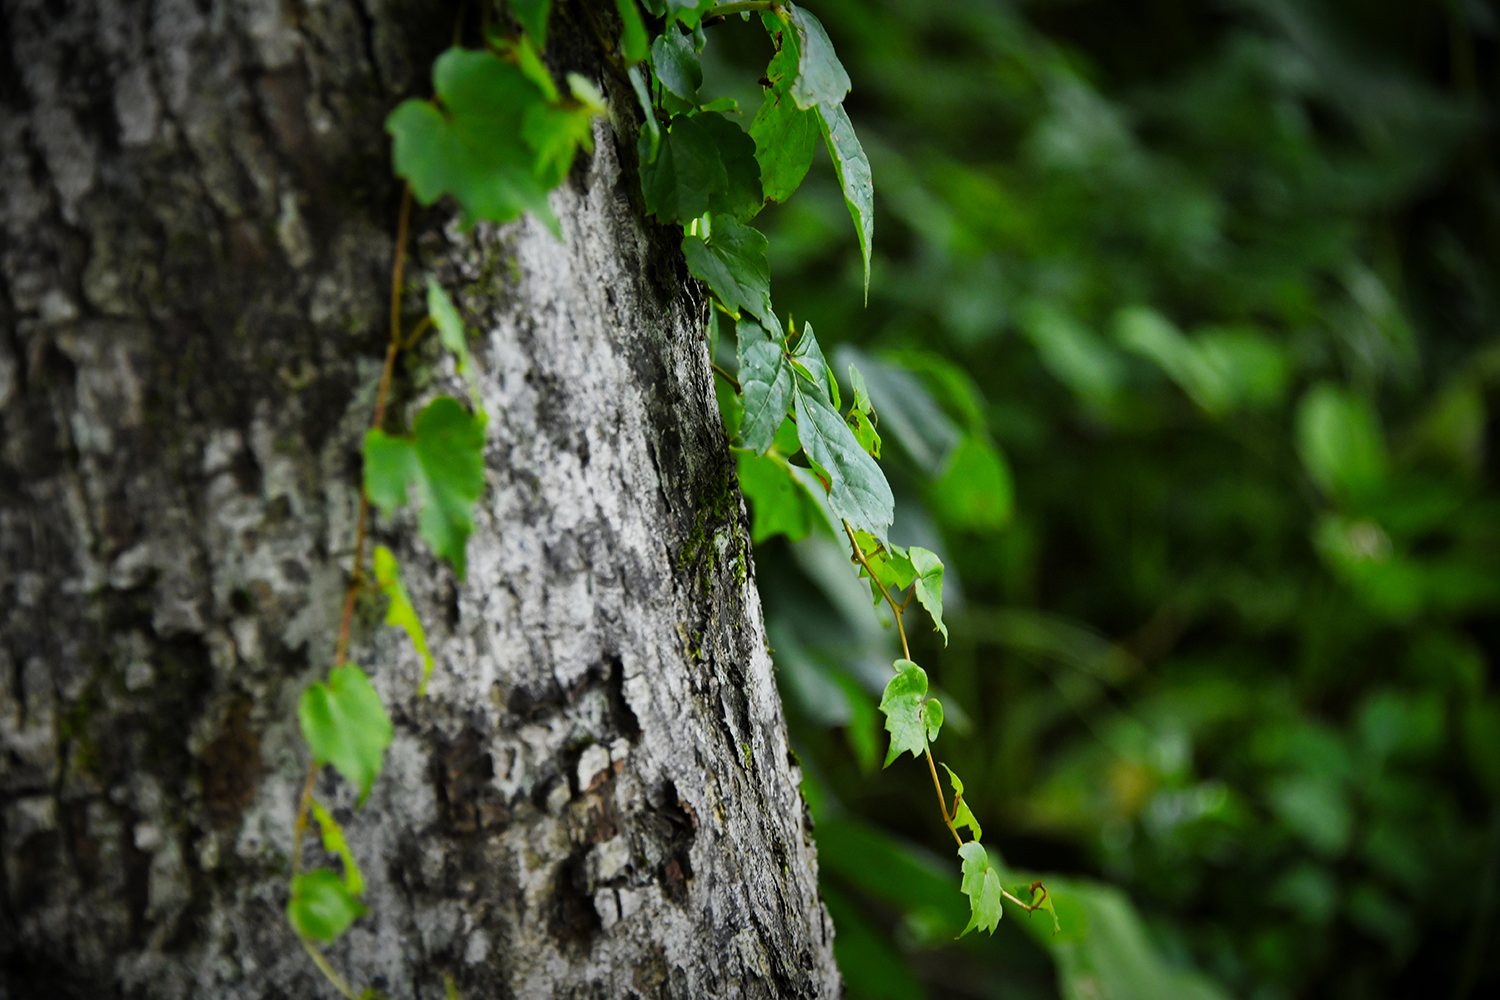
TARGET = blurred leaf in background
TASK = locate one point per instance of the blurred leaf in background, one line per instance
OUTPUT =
(1183, 346)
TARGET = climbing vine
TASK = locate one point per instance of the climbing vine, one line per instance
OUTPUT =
(498, 135)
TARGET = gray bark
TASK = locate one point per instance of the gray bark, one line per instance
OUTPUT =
(596, 798)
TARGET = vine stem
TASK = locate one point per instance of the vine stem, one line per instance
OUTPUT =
(356, 573)
(942, 799)
(860, 556)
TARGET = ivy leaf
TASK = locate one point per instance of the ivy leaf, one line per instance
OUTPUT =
(821, 79)
(733, 263)
(322, 907)
(864, 432)
(687, 168)
(345, 724)
(780, 504)
(677, 65)
(785, 135)
(807, 357)
(443, 460)
(741, 195)
(962, 817)
(932, 718)
(401, 613)
(853, 168)
(533, 17)
(1046, 904)
(857, 490)
(473, 150)
(451, 331)
(892, 568)
(765, 382)
(334, 842)
(633, 42)
(930, 586)
(651, 135)
(902, 705)
(861, 391)
(981, 883)
(556, 132)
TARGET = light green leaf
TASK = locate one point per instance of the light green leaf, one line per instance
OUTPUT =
(892, 567)
(861, 392)
(779, 503)
(401, 613)
(973, 490)
(741, 195)
(724, 105)
(902, 706)
(857, 490)
(557, 131)
(932, 718)
(821, 79)
(677, 65)
(981, 883)
(686, 171)
(334, 842)
(853, 170)
(785, 135)
(930, 585)
(732, 261)
(473, 149)
(451, 332)
(443, 460)
(322, 907)
(962, 816)
(533, 17)
(766, 384)
(1339, 439)
(634, 45)
(864, 432)
(345, 724)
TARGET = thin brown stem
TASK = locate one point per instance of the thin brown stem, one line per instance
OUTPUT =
(303, 805)
(416, 334)
(860, 555)
(942, 800)
(734, 382)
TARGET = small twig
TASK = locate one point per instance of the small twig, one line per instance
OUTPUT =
(733, 382)
(942, 800)
(416, 334)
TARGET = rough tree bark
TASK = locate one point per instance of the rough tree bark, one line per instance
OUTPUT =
(596, 798)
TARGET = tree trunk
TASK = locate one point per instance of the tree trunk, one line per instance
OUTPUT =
(596, 797)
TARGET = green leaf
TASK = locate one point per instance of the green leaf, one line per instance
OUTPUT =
(930, 585)
(732, 261)
(634, 45)
(556, 132)
(1339, 439)
(741, 195)
(451, 332)
(821, 79)
(808, 358)
(686, 171)
(473, 150)
(857, 490)
(892, 567)
(533, 17)
(973, 490)
(677, 65)
(345, 724)
(650, 141)
(861, 392)
(981, 883)
(785, 137)
(443, 460)
(401, 613)
(779, 503)
(864, 432)
(322, 907)
(334, 842)
(962, 816)
(902, 705)
(765, 382)
(932, 718)
(853, 170)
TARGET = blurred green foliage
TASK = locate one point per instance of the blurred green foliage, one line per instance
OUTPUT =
(1182, 340)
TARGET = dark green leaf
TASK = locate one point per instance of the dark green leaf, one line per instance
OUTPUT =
(857, 490)
(401, 613)
(981, 883)
(902, 705)
(780, 504)
(334, 842)
(345, 724)
(634, 45)
(973, 490)
(533, 17)
(766, 383)
(322, 907)
(732, 261)
(821, 79)
(854, 177)
(677, 65)
(1339, 439)
(651, 135)
(741, 195)
(687, 170)
(443, 461)
(929, 585)
(785, 138)
(473, 150)
(808, 358)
